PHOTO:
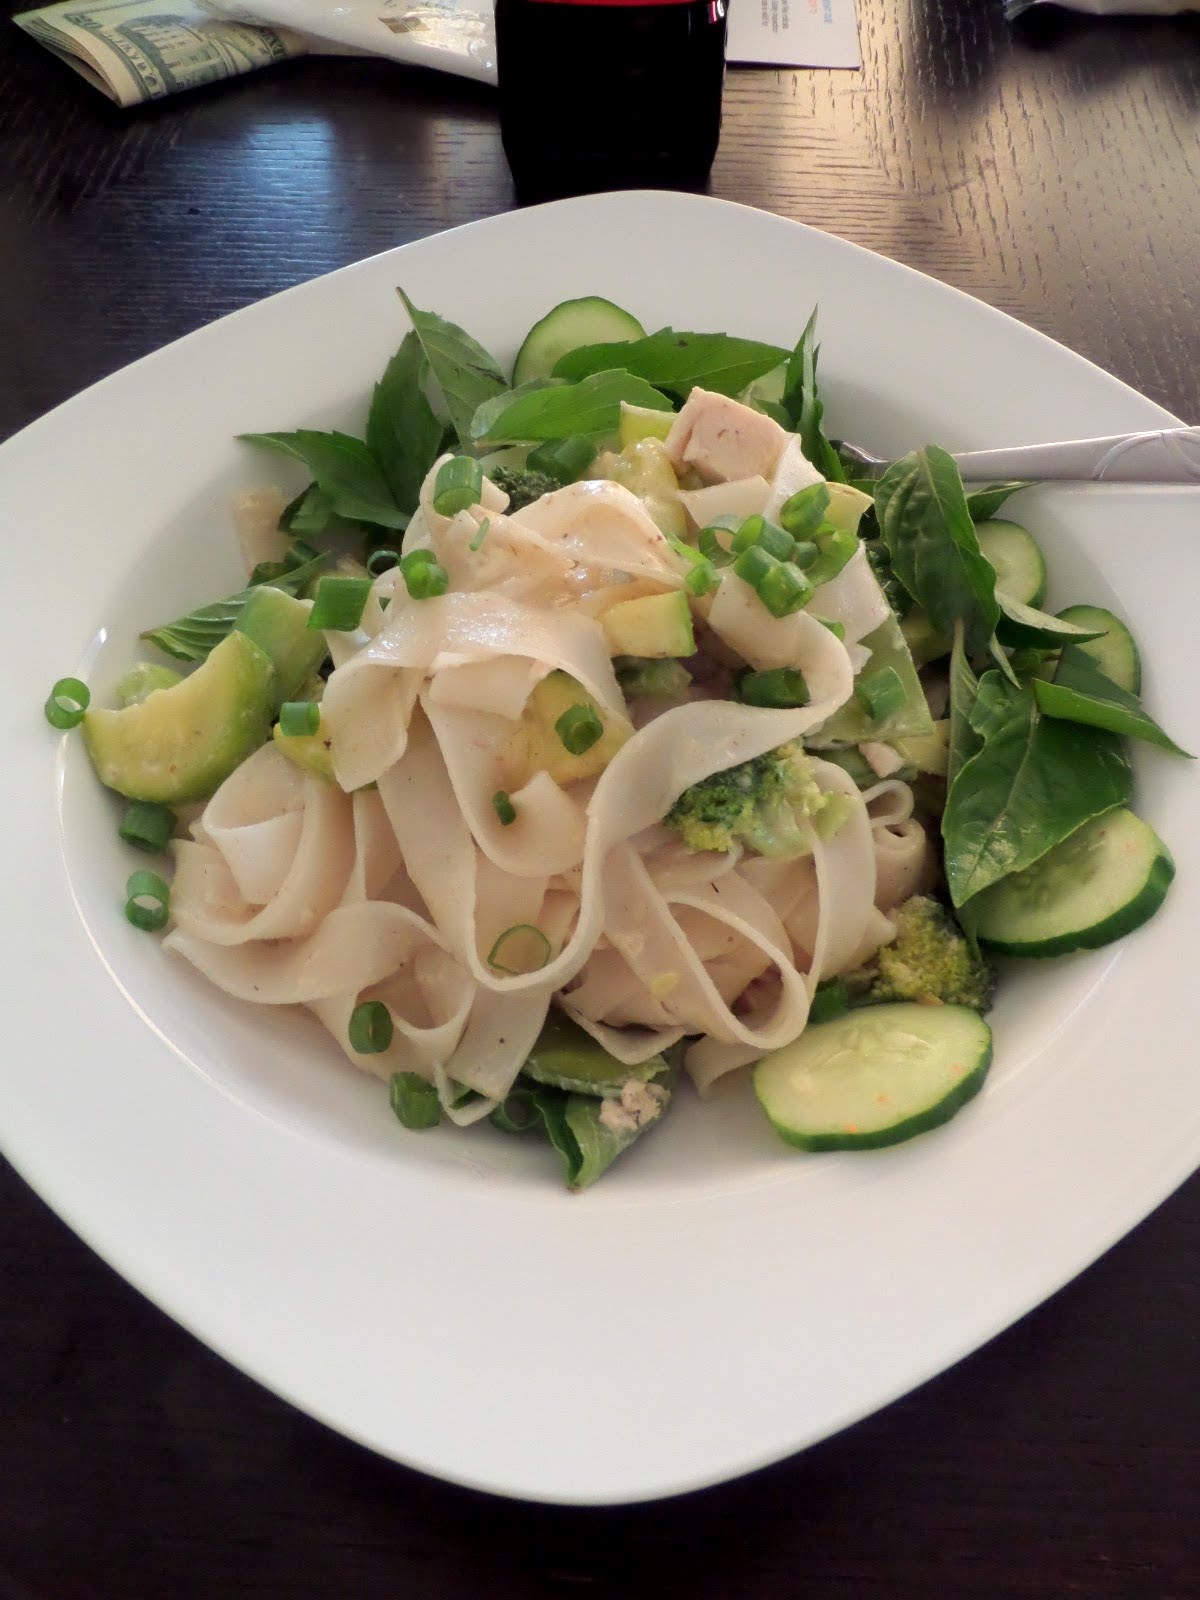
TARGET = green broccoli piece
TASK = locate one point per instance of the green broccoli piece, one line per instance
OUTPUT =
(522, 485)
(930, 960)
(771, 804)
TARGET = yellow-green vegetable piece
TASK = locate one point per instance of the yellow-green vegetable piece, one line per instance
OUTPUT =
(654, 625)
(536, 747)
(180, 743)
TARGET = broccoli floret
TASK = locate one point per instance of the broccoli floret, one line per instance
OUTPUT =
(771, 804)
(522, 485)
(930, 960)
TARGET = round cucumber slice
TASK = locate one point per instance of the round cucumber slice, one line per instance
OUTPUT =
(1115, 652)
(571, 323)
(1104, 881)
(875, 1076)
(1020, 565)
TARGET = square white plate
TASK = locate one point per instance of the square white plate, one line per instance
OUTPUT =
(718, 1301)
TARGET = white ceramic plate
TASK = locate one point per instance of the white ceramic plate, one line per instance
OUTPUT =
(718, 1301)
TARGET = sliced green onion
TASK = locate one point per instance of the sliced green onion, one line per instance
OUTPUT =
(503, 807)
(579, 728)
(299, 718)
(459, 484)
(711, 544)
(414, 1100)
(339, 604)
(565, 459)
(516, 1113)
(832, 999)
(802, 513)
(370, 1028)
(702, 579)
(481, 535)
(881, 693)
(758, 531)
(836, 546)
(804, 553)
(520, 949)
(753, 565)
(147, 901)
(147, 825)
(784, 590)
(381, 561)
(67, 702)
(780, 687)
(424, 577)
(837, 629)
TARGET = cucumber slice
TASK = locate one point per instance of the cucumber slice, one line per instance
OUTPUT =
(1108, 878)
(589, 320)
(876, 1076)
(1115, 652)
(1020, 565)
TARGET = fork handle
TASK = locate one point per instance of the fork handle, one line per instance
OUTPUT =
(1165, 455)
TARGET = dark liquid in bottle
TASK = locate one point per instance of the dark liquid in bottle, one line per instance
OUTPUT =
(609, 96)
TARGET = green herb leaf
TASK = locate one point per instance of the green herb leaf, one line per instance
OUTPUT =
(1080, 692)
(964, 688)
(403, 434)
(1022, 626)
(927, 528)
(984, 503)
(552, 410)
(677, 361)
(463, 370)
(190, 638)
(586, 1144)
(345, 470)
(803, 405)
(1032, 784)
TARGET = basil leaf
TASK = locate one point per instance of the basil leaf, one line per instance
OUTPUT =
(463, 370)
(345, 471)
(992, 705)
(403, 434)
(677, 361)
(1032, 784)
(190, 638)
(927, 528)
(964, 687)
(553, 410)
(804, 406)
(487, 414)
(985, 503)
(1021, 625)
(587, 1146)
(1080, 692)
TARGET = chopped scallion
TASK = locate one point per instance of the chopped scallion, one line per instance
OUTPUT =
(370, 1028)
(880, 693)
(804, 553)
(147, 825)
(299, 718)
(780, 688)
(503, 807)
(784, 589)
(381, 561)
(459, 484)
(520, 949)
(837, 629)
(835, 546)
(339, 604)
(766, 535)
(517, 1113)
(753, 565)
(424, 577)
(67, 703)
(147, 901)
(579, 728)
(481, 535)
(716, 538)
(802, 513)
(702, 579)
(832, 999)
(414, 1100)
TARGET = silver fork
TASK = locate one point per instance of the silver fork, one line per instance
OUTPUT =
(1164, 455)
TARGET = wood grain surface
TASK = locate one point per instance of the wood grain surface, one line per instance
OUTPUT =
(1050, 167)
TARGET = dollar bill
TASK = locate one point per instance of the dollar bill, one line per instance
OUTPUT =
(138, 50)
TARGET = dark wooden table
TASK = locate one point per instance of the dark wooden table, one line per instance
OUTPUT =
(1051, 168)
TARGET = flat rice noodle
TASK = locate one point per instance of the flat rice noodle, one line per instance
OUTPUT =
(606, 532)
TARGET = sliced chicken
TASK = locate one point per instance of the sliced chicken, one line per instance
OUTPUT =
(723, 439)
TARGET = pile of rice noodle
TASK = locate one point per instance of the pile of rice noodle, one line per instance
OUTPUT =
(396, 882)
